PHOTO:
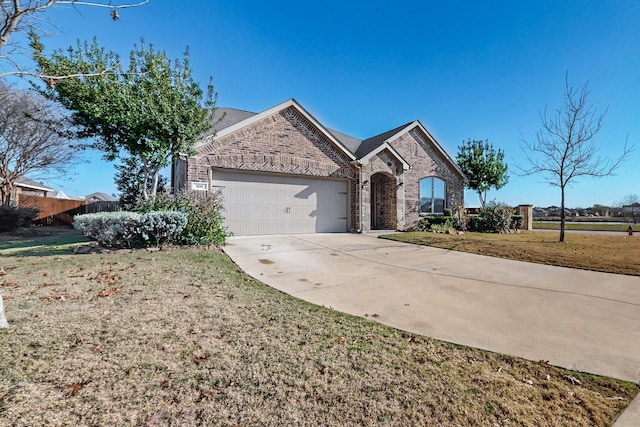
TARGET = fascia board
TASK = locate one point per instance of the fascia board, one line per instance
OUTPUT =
(382, 147)
(20, 183)
(34, 187)
(324, 130)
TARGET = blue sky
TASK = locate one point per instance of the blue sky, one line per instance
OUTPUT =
(465, 69)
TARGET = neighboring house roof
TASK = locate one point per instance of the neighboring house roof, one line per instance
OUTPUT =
(60, 195)
(25, 182)
(100, 197)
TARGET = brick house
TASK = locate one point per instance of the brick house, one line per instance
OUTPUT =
(281, 171)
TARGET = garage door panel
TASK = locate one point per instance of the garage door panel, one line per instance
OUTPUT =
(276, 204)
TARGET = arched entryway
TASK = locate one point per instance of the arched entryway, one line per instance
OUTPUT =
(383, 201)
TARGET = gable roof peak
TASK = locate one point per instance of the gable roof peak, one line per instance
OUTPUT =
(255, 117)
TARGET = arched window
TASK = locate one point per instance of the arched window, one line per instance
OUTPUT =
(432, 195)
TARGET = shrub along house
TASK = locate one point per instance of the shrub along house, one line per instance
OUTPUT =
(281, 171)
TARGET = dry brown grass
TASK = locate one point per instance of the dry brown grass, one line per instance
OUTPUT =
(184, 338)
(598, 252)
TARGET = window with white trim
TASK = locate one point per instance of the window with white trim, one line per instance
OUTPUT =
(432, 196)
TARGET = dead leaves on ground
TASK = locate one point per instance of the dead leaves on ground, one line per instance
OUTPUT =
(52, 298)
(109, 292)
(198, 359)
(103, 277)
(74, 388)
(8, 285)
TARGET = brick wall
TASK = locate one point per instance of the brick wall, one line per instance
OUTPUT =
(287, 143)
(391, 214)
(284, 142)
(425, 161)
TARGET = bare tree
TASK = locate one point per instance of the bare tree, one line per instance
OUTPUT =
(565, 147)
(26, 16)
(30, 138)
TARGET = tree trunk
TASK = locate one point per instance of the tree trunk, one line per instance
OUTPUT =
(5, 191)
(483, 200)
(145, 180)
(154, 183)
(3, 318)
(562, 214)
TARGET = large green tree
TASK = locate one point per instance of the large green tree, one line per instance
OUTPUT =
(152, 111)
(484, 167)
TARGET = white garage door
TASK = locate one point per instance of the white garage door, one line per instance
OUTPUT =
(280, 204)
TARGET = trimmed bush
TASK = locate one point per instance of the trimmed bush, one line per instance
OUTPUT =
(204, 224)
(436, 223)
(13, 217)
(493, 218)
(477, 224)
(131, 229)
(517, 221)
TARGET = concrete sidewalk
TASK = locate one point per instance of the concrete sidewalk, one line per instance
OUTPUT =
(576, 319)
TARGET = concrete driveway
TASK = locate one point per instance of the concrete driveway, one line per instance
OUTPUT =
(576, 319)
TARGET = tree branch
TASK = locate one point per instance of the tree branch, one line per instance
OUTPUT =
(18, 16)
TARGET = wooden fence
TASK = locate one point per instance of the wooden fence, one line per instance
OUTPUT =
(61, 211)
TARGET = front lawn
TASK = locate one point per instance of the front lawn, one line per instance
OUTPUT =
(183, 337)
(598, 252)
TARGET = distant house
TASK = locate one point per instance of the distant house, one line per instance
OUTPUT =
(29, 187)
(631, 210)
(281, 171)
(100, 197)
(59, 195)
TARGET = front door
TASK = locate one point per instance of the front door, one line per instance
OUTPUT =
(383, 202)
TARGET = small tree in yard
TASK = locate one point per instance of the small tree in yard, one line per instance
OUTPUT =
(484, 167)
(30, 141)
(151, 112)
(565, 149)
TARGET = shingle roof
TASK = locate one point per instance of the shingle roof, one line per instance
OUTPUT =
(223, 118)
(374, 142)
(350, 142)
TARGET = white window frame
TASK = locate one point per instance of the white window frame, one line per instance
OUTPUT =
(432, 198)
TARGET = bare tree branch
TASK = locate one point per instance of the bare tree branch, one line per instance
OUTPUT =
(24, 16)
(30, 140)
(565, 147)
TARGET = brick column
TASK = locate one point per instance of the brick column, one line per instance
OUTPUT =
(527, 216)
